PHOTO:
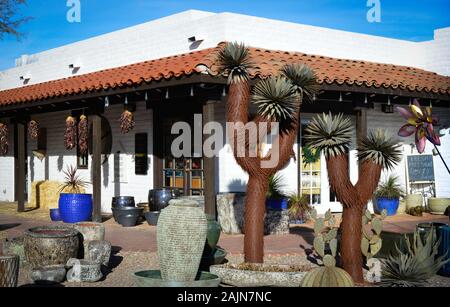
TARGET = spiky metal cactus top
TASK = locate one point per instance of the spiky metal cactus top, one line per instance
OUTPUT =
(303, 79)
(330, 134)
(276, 99)
(234, 62)
(380, 148)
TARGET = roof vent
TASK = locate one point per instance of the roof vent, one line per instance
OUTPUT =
(25, 77)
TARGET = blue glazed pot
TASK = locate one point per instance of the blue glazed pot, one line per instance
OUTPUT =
(55, 216)
(277, 204)
(75, 208)
(390, 204)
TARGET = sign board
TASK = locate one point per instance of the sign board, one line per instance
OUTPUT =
(420, 168)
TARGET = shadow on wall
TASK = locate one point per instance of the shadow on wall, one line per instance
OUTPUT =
(105, 168)
(60, 162)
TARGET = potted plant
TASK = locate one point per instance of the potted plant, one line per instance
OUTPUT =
(299, 208)
(388, 196)
(74, 206)
(275, 198)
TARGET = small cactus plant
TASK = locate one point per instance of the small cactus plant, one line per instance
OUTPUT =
(371, 239)
(328, 275)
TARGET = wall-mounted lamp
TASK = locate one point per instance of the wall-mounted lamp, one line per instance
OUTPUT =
(126, 100)
(106, 101)
(26, 77)
(167, 94)
(340, 97)
(366, 101)
(192, 91)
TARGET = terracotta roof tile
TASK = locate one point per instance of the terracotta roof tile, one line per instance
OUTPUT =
(268, 62)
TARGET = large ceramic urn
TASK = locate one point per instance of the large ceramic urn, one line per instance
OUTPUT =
(181, 237)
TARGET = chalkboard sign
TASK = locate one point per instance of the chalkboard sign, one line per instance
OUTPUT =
(420, 168)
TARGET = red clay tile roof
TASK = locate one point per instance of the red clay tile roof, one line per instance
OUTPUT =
(268, 62)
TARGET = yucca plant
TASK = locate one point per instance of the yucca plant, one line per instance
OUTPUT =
(380, 148)
(278, 98)
(299, 206)
(415, 266)
(332, 135)
(329, 134)
(234, 62)
(72, 181)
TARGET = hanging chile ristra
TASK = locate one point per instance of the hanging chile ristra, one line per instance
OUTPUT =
(70, 134)
(4, 135)
(83, 133)
(33, 129)
(126, 121)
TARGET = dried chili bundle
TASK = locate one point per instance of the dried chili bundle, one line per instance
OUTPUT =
(126, 121)
(70, 135)
(4, 145)
(83, 133)
(33, 129)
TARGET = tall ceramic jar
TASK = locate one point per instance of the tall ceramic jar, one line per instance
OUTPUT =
(181, 237)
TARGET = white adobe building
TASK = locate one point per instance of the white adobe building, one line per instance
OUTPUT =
(46, 87)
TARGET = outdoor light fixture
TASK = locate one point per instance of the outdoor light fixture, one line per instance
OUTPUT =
(126, 100)
(224, 91)
(146, 96)
(340, 97)
(192, 91)
(106, 101)
(26, 77)
(410, 101)
(389, 100)
(167, 93)
(365, 99)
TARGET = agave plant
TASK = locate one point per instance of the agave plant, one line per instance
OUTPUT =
(329, 134)
(276, 99)
(72, 181)
(276, 186)
(389, 188)
(234, 61)
(416, 266)
(299, 206)
(380, 148)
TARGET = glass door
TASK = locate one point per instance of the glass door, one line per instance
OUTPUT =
(184, 173)
(310, 172)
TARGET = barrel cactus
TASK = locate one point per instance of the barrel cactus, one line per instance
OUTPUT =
(327, 276)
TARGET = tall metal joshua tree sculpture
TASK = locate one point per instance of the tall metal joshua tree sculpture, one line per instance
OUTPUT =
(332, 135)
(278, 99)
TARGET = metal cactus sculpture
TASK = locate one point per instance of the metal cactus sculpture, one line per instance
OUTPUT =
(326, 236)
(278, 99)
(332, 136)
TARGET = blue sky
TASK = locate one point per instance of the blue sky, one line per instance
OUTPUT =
(405, 19)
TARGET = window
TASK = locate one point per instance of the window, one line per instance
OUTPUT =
(309, 173)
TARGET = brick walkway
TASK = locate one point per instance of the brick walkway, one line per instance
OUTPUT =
(143, 237)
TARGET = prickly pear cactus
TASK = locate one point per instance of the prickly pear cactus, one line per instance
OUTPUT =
(371, 238)
(324, 237)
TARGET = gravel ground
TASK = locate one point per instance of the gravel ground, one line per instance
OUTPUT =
(125, 263)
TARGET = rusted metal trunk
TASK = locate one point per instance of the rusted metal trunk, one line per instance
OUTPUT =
(351, 256)
(255, 210)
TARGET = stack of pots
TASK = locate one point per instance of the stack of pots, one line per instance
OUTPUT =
(124, 211)
(158, 199)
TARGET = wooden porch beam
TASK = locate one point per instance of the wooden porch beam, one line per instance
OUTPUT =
(209, 164)
(20, 165)
(96, 167)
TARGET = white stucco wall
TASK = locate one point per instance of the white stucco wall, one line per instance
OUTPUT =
(59, 158)
(169, 36)
(7, 168)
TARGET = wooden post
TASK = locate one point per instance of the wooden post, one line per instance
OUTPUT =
(96, 167)
(361, 124)
(209, 164)
(20, 166)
